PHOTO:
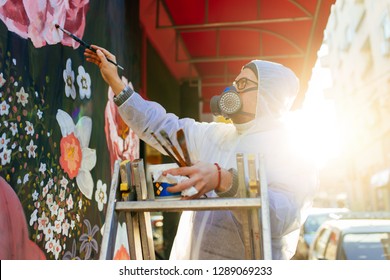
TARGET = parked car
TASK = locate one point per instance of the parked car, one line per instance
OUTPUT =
(352, 239)
(315, 219)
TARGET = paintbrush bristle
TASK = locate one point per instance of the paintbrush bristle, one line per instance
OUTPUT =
(56, 25)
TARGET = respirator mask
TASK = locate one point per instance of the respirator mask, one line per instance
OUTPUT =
(229, 101)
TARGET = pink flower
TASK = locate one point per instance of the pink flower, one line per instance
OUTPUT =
(36, 19)
(71, 155)
(122, 142)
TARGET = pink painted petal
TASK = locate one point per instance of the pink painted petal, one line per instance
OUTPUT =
(13, 14)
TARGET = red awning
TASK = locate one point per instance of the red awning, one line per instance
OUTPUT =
(211, 40)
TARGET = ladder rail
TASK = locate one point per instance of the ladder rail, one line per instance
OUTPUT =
(111, 221)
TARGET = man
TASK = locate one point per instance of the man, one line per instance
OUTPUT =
(261, 95)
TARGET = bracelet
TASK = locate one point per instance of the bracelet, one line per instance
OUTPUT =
(219, 174)
(123, 95)
(232, 191)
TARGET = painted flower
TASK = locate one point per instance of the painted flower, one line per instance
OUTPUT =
(88, 242)
(2, 80)
(68, 76)
(48, 231)
(31, 149)
(33, 217)
(84, 82)
(122, 142)
(71, 155)
(35, 19)
(4, 108)
(101, 194)
(14, 128)
(71, 255)
(64, 182)
(29, 128)
(5, 156)
(69, 202)
(76, 159)
(43, 221)
(61, 214)
(65, 228)
(35, 195)
(4, 141)
(57, 249)
(22, 97)
(39, 114)
(49, 245)
(42, 168)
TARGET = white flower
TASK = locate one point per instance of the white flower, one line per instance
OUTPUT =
(49, 244)
(2, 80)
(69, 202)
(48, 231)
(84, 82)
(64, 182)
(22, 97)
(4, 108)
(29, 128)
(68, 76)
(25, 178)
(43, 221)
(57, 226)
(5, 156)
(42, 168)
(39, 114)
(49, 199)
(100, 194)
(61, 214)
(62, 194)
(14, 128)
(57, 249)
(54, 208)
(45, 190)
(82, 131)
(65, 227)
(31, 149)
(35, 195)
(14, 61)
(33, 217)
(4, 141)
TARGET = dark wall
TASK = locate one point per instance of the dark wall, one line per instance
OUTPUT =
(113, 25)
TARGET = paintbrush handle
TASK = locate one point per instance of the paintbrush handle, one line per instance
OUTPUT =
(168, 151)
(183, 145)
(88, 46)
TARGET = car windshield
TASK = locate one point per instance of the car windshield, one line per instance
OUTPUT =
(366, 246)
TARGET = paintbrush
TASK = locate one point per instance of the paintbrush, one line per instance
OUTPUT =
(164, 134)
(88, 46)
(181, 139)
(168, 151)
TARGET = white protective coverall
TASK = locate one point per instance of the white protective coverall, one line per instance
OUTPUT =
(292, 179)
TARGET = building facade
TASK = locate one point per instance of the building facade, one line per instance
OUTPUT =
(358, 41)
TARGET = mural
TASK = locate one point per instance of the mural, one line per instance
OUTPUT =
(58, 136)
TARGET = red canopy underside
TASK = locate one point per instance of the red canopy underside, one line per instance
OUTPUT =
(211, 40)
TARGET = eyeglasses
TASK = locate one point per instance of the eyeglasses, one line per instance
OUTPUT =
(241, 83)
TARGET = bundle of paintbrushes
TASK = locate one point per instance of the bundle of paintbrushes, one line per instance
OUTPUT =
(170, 148)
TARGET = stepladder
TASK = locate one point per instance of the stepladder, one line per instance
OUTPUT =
(132, 197)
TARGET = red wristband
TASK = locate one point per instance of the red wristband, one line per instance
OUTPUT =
(219, 174)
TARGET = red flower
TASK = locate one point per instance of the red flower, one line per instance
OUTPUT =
(71, 155)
